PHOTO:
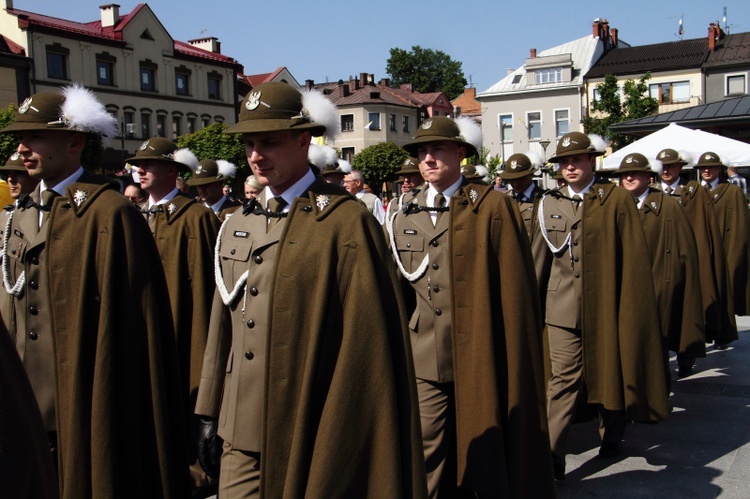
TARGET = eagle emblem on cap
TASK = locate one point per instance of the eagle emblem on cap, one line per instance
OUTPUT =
(80, 197)
(663, 154)
(427, 124)
(513, 164)
(199, 170)
(253, 101)
(25, 105)
(15, 156)
(709, 156)
(143, 146)
(629, 159)
(565, 142)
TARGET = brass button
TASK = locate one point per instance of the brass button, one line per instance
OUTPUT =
(438, 311)
(33, 335)
(33, 310)
(258, 259)
(249, 355)
(435, 266)
(254, 291)
(251, 323)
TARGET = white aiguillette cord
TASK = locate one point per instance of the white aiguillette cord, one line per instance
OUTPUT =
(543, 227)
(410, 276)
(16, 289)
(226, 296)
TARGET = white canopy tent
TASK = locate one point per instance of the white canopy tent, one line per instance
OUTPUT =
(695, 142)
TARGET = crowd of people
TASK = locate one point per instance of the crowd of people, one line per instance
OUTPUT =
(309, 342)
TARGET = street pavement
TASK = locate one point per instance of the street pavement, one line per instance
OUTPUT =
(702, 451)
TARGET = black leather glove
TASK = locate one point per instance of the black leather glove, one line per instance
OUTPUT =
(209, 446)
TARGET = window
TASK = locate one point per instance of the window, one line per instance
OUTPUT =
(182, 83)
(161, 125)
(534, 124)
(347, 122)
(374, 121)
(105, 72)
(392, 122)
(57, 61)
(191, 124)
(516, 79)
(736, 84)
(506, 127)
(148, 79)
(145, 125)
(405, 123)
(128, 117)
(562, 122)
(549, 75)
(205, 121)
(214, 86)
(347, 153)
(176, 127)
(670, 93)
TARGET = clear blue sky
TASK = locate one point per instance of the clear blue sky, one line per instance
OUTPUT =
(348, 38)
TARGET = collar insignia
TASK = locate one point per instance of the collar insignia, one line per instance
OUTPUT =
(474, 195)
(716, 196)
(80, 197)
(171, 208)
(427, 124)
(691, 188)
(322, 201)
(653, 205)
(253, 101)
(601, 192)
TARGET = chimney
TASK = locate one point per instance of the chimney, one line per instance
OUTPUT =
(343, 89)
(362, 79)
(532, 53)
(613, 36)
(605, 30)
(354, 83)
(8, 4)
(385, 82)
(509, 71)
(406, 86)
(596, 28)
(110, 14)
(715, 34)
(309, 84)
(471, 92)
(210, 43)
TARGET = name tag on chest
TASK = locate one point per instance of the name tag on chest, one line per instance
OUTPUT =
(241, 233)
(410, 232)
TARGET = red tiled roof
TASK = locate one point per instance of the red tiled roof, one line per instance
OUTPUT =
(362, 95)
(13, 47)
(94, 29)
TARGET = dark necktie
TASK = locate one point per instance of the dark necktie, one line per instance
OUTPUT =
(519, 197)
(439, 203)
(275, 205)
(576, 202)
(669, 191)
(47, 196)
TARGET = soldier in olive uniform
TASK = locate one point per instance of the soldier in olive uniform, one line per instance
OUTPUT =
(410, 179)
(208, 179)
(185, 234)
(589, 247)
(718, 308)
(461, 248)
(518, 173)
(19, 180)
(734, 225)
(306, 403)
(85, 301)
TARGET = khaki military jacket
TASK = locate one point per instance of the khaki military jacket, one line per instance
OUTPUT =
(475, 320)
(308, 359)
(527, 207)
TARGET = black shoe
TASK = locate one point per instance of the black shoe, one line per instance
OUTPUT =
(558, 466)
(684, 371)
(608, 450)
(721, 346)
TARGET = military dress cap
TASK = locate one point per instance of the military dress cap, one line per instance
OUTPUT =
(410, 165)
(574, 143)
(439, 129)
(74, 108)
(209, 171)
(273, 107)
(671, 157)
(470, 172)
(162, 149)
(14, 163)
(634, 162)
(518, 165)
(709, 159)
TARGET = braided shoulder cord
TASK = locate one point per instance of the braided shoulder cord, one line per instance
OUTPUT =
(226, 296)
(410, 276)
(543, 227)
(16, 289)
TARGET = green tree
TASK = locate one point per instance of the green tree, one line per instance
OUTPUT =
(427, 70)
(379, 162)
(212, 143)
(609, 109)
(492, 163)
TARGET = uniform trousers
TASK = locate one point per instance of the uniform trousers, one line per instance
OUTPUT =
(566, 357)
(239, 477)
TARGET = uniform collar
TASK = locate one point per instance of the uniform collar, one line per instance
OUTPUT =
(61, 186)
(163, 200)
(450, 191)
(294, 191)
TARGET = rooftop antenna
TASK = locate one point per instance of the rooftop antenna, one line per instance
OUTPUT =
(681, 28)
(204, 31)
(724, 19)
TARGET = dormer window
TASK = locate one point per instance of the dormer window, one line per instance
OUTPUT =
(548, 75)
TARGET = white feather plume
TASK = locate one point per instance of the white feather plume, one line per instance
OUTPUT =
(345, 166)
(687, 158)
(322, 156)
(83, 111)
(226, 168)
(470, 131)
(598, 143)
(656, 166)
(187, 158)
(535, 159)
(322, 111)
(483, 172)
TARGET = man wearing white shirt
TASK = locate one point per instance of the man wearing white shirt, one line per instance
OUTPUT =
(589, 247)
(354, 182)
(475, 325)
